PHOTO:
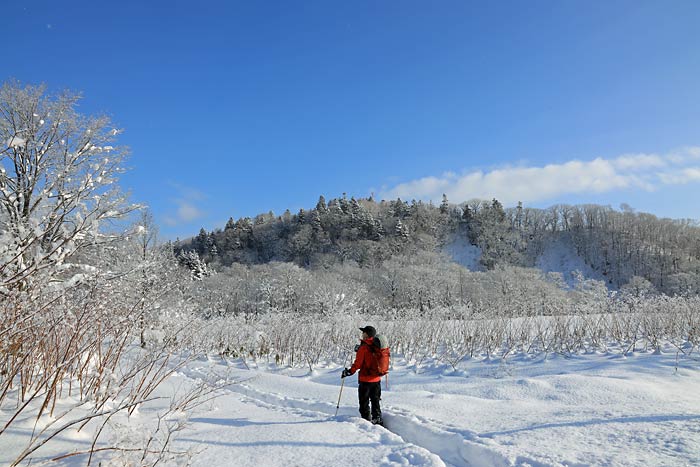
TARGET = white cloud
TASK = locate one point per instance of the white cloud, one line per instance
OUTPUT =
(681, 177)
(528, 184)
(639, 162)
(186, 206)
(188, 212)
(685, 156)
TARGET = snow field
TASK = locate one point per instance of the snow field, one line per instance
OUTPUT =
(295, 427)
(594, 410)
(590, 410)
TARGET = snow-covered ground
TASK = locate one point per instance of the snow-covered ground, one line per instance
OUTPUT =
(598, 410)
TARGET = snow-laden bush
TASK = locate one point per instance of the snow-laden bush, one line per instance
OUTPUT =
(449, 336)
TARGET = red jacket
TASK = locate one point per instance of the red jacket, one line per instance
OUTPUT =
(363, 360)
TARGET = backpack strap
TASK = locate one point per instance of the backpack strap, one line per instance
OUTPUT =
(372, 348)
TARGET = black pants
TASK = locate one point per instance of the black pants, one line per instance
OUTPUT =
(370, 392)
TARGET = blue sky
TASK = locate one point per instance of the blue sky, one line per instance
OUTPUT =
(236, 108)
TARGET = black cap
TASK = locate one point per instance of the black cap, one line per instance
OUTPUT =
(369, 330)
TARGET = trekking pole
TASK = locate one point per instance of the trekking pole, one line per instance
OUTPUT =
(339, 396)
(386, 381)
(345, 362)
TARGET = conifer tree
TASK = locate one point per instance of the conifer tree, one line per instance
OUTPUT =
(200, 241)
(316, 221)
(498, 210)
(344, 205)
(519, 216)
(445, 205)
(210, 242)
(335, 208)
(321, 205)
(191, 260)
(356, 213)
(467, 213)
(399, 208)
(378, 230)
(401, 230)
(246, 226)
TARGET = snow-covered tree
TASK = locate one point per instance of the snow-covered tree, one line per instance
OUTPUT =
(197, 267)
(74, 292)
(401, 231)
(344, 204)
(58, 174)
(445, 205)
(316, 223)
(200, 242)
(321, 205)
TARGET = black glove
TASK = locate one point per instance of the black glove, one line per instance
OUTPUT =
(346, 372)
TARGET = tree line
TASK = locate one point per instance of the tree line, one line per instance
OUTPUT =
(625, 247)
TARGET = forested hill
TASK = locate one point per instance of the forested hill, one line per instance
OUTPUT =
(622, 247)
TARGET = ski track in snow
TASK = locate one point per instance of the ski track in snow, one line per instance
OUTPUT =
(400, 452)
(316, 409)
(454, 447)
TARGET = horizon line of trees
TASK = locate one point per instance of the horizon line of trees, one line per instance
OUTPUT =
(621, 246)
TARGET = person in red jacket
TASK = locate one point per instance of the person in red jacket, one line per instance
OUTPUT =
(369, 388)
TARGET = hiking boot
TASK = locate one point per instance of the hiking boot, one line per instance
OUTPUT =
(378, 421)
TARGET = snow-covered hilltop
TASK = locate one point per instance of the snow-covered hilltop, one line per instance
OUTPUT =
(616, 247)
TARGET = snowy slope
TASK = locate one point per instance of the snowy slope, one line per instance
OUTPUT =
(463, 253)
(560, 256)
(602, 410)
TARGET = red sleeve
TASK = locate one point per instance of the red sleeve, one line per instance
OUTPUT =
(359, 359)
